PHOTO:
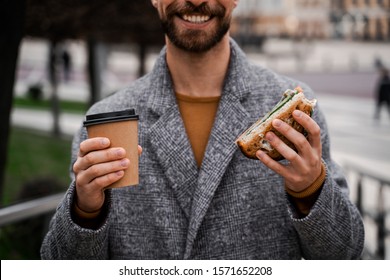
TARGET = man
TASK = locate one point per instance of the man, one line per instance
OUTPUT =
(382, 92)
(199, 197)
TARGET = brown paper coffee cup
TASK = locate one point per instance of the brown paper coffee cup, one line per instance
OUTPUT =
(121, 128)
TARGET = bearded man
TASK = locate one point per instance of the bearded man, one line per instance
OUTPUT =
(198, 197)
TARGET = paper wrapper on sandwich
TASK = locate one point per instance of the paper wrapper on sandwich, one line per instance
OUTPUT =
(253, 139)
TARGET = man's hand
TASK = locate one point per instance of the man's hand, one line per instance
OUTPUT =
(98, 165)
(304, 166)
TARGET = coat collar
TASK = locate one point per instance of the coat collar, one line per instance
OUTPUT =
(193, 188)
(161, 96)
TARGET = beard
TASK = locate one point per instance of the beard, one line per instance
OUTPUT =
(196, 41)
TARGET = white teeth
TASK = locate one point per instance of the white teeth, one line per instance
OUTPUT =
(196, 18)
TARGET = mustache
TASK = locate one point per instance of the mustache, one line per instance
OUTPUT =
(189, 8)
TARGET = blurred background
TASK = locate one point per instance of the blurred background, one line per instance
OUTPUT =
(59, 57)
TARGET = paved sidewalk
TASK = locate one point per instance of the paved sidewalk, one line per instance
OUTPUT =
(43, 121)
(356, 137)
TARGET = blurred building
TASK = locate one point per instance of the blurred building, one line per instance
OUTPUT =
(361, 19)
(308, 18)
(282, 18)
(321, 19)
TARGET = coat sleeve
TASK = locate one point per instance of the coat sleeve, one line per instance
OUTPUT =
(334, 228)
(65, 238)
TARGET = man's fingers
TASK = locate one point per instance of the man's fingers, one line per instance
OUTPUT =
(93, 144)
(105, 171)
(298, 139)
(97, 157)
(303, 144)
(312, 128)
(103, 181)
(272, 164)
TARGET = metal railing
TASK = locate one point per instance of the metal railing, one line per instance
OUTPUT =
(378, 210)
(32, 208)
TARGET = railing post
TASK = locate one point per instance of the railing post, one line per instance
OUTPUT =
(381, 233)
(359, 194)
(379, 214)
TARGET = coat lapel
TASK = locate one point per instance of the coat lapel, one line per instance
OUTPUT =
(169, 140)
(172, 149)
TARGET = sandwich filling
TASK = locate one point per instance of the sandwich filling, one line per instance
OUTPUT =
(287, 96)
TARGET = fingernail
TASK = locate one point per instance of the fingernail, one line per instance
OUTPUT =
(277, 123)
(124, 162)
(270, 136)
(105, 141)
(260, 154)
(297, 113)
(120, 152)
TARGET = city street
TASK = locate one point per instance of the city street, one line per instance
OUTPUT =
(358, 84)
(356, 136)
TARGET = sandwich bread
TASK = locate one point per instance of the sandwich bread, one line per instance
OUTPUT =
(253, 139)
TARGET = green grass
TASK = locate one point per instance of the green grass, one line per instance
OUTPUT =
(37, 165)
(43, 104)
(31, 157)
(34, 156)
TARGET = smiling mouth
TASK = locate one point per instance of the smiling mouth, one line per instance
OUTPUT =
(195, 18)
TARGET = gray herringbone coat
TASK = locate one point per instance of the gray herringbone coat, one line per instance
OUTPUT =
(231, 208)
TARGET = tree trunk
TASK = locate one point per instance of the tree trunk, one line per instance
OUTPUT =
(142, 59)
(12, 23)
(94, 71)
(53, 77)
